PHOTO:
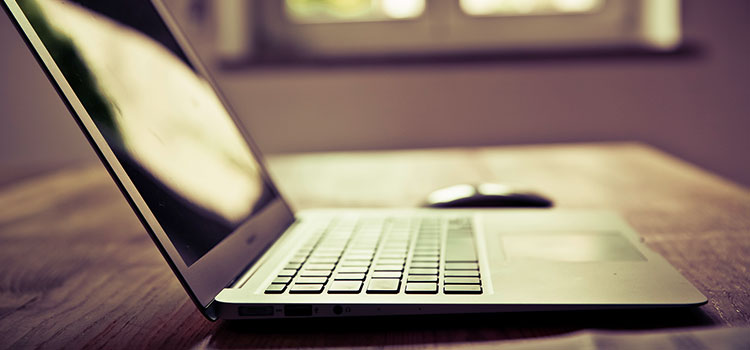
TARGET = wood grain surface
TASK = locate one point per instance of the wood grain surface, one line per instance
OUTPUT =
(77, 269)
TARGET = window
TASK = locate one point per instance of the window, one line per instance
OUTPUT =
(269, 30)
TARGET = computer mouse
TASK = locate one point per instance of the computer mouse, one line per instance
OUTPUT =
(485, 195)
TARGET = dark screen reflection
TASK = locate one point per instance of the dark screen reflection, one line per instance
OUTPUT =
(162, 120)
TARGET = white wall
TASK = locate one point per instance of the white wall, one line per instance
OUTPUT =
(694, 106)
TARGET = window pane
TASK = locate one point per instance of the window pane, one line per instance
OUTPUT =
(528, 7)
(332, 11)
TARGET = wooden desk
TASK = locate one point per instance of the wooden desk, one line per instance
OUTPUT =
(77, 269)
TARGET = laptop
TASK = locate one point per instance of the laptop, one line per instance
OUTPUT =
(199, 186)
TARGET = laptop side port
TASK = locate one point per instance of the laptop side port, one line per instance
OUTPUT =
(338, 310)
(256, 311)
(298, 310)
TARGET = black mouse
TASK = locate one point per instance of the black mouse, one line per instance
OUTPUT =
(485, 195)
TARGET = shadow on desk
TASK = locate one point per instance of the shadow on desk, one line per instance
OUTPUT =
(443, 329)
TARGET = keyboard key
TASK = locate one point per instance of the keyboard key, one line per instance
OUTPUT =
(461, 280)
(355, 269)
(384, 285)
(306, 288)
(325, 254)
(429, 231)
(422, 278)
(365, 252)
(358, 257)
(462, 289)
(293, 266)
(275, 288)
(331, 247)
(350, 276)
(461, 273)
(328, 250)
(353, 263)
(345, 287)
(461, 266)
(315, 273)
(425, 265)
(305, 252)
(460, 250)
(319, 266)
(392, 256)
(386, 274)
(418, 271)
(421, 250)
(282, 279)
(388, 268)
(287, 273)
(426, 258)
(390, 261)
(333, 241)
(422, 288)
(325, 260)
(298, 259)
(428, 237)
(311, 280)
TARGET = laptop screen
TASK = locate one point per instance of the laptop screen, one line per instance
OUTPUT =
(162, 120)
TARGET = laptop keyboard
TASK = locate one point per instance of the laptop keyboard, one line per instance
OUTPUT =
(426, 255)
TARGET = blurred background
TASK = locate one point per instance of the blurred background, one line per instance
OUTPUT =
(322, 75)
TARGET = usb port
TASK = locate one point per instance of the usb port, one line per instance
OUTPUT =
(297, 310)
(256, 311)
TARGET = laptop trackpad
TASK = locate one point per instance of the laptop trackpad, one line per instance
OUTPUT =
(570, 246)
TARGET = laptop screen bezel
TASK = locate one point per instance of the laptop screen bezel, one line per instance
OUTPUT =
(215, 270)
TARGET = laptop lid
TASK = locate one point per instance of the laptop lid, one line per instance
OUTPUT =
(156, 121)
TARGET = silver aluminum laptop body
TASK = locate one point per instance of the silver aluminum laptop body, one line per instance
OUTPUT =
(199, 186)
